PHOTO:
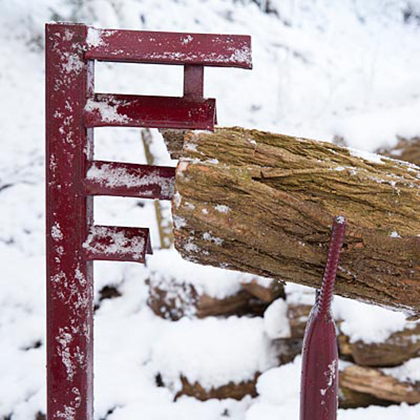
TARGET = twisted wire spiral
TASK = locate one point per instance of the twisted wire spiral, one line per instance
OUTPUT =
(330, 273)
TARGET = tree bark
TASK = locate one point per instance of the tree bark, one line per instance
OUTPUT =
(263, 203)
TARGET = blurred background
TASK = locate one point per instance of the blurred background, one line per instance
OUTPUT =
(178, 341)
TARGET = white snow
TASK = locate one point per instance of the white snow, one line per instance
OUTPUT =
(72, 63)
(276, 322)
(407, 372)
(222, 208)
(322, 69)
(108, 111)
(118, 177)
(118, 242)
(168, 266)
(340, 219)
(240, 350)
(56, 233)
(370, 157)
(378, 323)
(395, 234)
(94, 38)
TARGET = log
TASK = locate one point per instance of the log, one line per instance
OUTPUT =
(298, 315)
(263, 203)
(178, 288)
(185, 300)
(395, 350)
(267, 291)
(230, 390)
(376, 383)
(353, 399)
(407, 150)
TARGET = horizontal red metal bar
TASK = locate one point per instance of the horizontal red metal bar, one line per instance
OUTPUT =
(109, 110)
(114, 243)
(130, 180)
(169, 48)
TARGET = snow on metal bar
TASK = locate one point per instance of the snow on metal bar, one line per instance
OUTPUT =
(130, 180)
(114, 243)
(169, 48)
(149, 111)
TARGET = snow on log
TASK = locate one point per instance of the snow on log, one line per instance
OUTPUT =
(386, 384)
(263, 203)
(396, 349)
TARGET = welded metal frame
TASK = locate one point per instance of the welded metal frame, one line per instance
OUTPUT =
(73, 110)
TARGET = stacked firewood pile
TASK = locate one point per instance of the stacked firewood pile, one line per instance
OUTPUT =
(371, 373)
(367, 372)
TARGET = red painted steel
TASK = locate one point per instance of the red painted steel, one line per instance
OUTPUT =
(73, 177)
(169, 48)
(69, 82)
(319, 383)
(115, 243)
(109, 110)
(130, 180)
(193, 83)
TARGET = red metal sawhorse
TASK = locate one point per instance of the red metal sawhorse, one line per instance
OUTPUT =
(73, 109)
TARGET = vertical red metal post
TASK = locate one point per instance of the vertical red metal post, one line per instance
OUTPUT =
(193, 82)
(319, 383)
(69, 81)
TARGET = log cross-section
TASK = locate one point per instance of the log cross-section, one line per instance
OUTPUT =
(263, 203)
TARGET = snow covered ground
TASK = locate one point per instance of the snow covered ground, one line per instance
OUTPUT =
(321, 69)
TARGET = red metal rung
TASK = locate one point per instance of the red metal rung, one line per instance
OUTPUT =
(169, 48)
(130, 180)
(149, 111)
(114, 243)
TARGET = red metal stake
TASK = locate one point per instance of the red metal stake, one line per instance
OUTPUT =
(319, 383)
(69, 213)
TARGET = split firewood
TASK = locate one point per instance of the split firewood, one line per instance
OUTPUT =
(353, 399)
(174, 140)
(263, 203)
(267, 290)
(175, 300)
(407, 150)
(233, 390)
(395, 350)
(380, 385)
(178, 288)
(298, 315)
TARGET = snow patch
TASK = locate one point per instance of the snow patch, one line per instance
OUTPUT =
(112, 176)
(241, 350)
(222, 208)
(208, 237)
(169, 266)
(114, 244)
(370, 157)
(56, 233)
(108, 111)
(394, 234)
(276, 321)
